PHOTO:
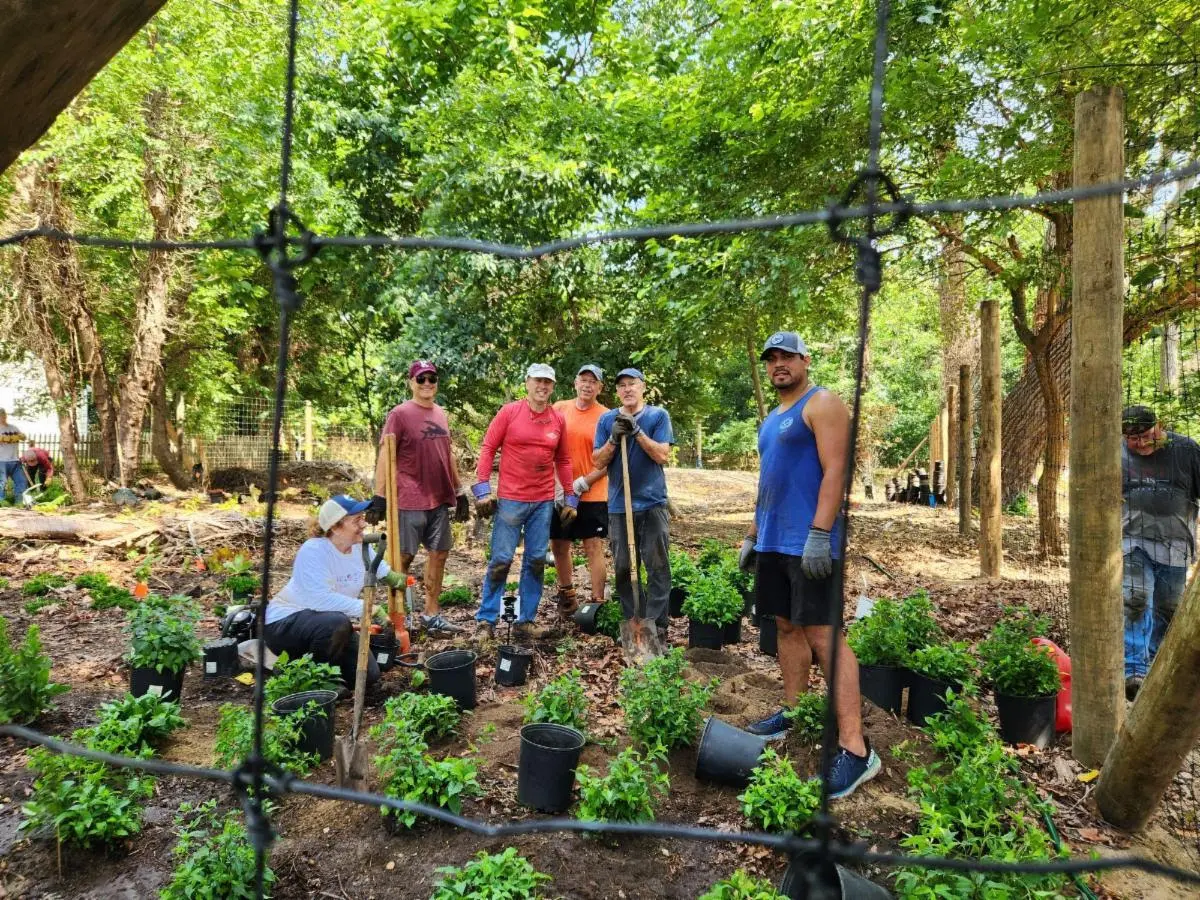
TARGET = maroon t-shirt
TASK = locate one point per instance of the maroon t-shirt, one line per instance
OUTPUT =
(424, 471)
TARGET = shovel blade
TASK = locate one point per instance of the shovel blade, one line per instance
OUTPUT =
(350, 764)
(639, 641)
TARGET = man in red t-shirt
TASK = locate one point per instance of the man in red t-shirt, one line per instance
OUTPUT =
(39, 468)
(427, 486)
(531, 436)
(590, 484)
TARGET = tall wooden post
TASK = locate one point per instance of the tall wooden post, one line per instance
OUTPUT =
(699, 444)
(935, 443)
(1098, 284)
(989, 440)
(951, 454)
(308, 431)
(965, 429)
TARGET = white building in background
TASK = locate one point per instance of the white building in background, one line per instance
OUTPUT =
(23, 392)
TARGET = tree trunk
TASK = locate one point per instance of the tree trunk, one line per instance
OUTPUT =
(1054, 459)
(1023, 438)
(951, 454)
(1168, 376)
(990, 543)
(68, 436)
(960, 329)
(755, 378)
(167, 457)
(965, 428)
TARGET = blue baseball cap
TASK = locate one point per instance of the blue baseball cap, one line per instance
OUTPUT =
(631, 373)
(787, 341)
(593, 368)
(337, 508)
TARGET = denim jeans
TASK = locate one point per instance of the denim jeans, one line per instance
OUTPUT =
(12, 468)
(513, 517)
(1152, 591)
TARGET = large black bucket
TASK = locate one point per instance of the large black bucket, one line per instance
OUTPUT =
(221, 658)
(810, 879)
(384, 648)
(676, 598)
(512, 665)
(768, 635)
(585, 617)
(316, 729)
(701, 634)
(546, 774)
(452, 672)
(732, 633)
(883, 685)
(1027, 720)
(727, 754)
(926, 697)
(165, 685)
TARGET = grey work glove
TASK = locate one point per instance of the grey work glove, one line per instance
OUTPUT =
(817, 561)
(747, 555)
(622, 426)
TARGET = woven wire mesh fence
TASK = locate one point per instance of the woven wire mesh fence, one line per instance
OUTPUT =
(871, 210)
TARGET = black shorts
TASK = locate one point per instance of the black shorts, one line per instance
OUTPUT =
(592, 522)
(781, 589)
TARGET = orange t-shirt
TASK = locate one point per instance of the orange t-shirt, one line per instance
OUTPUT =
(581, 437)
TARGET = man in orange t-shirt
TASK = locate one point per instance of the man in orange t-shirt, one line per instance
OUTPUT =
(590, 485)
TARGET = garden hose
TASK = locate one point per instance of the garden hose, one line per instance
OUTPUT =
(1058, 844)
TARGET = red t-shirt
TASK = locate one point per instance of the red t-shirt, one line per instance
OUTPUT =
(424, 469)
(581, 440)
(534, 449)
(44, 461)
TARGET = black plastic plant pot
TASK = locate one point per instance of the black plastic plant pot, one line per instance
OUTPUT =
(512, 665)
(768, 635)
(585, 617)
(1027, 720)
(676, 599)
(926, 697)
(701, 634)
(316, 729)
(221, 658)
(810, 879)
(732, 632)
(452, 672)
(546, 772)
(384, 648)
(883, 685)
(165, 685)
(727, 754)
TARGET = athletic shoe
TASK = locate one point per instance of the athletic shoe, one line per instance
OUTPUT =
(773, 728)
(439, 623)
(1133, 684)
(849, 771)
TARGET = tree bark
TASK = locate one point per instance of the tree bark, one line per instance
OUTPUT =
(1168, 379)
(755, 378)
(951, 453)
(167, 457)
(965, 429)
(990, 545)
(1054, 457)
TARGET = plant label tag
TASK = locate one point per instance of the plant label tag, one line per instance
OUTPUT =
(210, 668)
(505, 665)
(155, 690)
(865, 607)
(381, 658)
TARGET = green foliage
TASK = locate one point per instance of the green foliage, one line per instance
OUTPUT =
(40, 585)
(26, 690)
(281, 740)
(241, 564)
(495, 876)
(777, 799)
(549, 577)
(425, 716)
(713, 599)
(457, 596)
(684, 570)
(105, 595)
(37, 604)
(879, 639)
(627, 792)
(163, 633)
(608, 619)
(958, 728)
(712, 554)
(737, 439)
(295, 676)
(88, 581)
(808, 717)
(740, 886)
(561, 701)
(215, 857)
(662, 707)
(1014, 666)
(135, 725)
(917, 622)
(407, 772)
(950, 663)
(1019, 506)
(242, 586)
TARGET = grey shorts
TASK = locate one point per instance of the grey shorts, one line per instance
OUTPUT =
(430, 527)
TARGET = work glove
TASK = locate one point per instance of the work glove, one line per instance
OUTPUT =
(485, 503)
(580, 486)
(377, 511)
(462, 508)
(747, 555)
(570, 509)
(817, 561)
(624, 425)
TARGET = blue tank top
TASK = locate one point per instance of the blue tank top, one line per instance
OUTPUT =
(789, 481)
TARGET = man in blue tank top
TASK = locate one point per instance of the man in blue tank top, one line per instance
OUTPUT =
(794, 544)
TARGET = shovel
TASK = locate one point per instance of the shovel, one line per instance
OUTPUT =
(349, 756)
(396, 600)
(639, 635)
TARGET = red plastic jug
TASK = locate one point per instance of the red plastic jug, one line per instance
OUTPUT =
(1062, 719)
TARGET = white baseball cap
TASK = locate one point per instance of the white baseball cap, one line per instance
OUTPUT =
(540, 370)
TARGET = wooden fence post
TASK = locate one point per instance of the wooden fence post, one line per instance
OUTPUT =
(990, 545)
(951, 454)
(308, 431)
(1097, 306)
(964, 449)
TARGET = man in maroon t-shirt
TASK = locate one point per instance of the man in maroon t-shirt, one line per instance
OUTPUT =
(427, 486)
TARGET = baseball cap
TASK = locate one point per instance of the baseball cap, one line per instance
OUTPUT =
(1136, 419)
(540, 370)
(595, 370)
(420, 367)
(631, 373)
(337, 508)
(788, 341)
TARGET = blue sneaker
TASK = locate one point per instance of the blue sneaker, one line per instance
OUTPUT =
(773, 728)
(849, 771)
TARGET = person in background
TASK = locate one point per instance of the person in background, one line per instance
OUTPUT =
(10, 459)
(591, 486)
(38, 466)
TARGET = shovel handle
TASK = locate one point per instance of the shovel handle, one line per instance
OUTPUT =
(639, 612)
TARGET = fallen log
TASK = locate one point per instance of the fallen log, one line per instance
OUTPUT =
(27, 525)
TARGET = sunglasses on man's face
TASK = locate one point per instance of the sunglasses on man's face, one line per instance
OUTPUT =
(426, 379)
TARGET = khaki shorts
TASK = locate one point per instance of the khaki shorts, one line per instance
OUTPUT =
(430, 527)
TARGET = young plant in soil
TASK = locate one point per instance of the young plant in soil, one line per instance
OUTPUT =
(294, 676)
(684, 570)
(740, 886)
(713, 600)
(40, 585)
(712, 554)
(104, 594)
(239, 577)
(26, 690)
(628, 792)
(135, 725)
(949, 663)
(163, 634)
(407, 772)
(281, 739)
(560, 702)
(608, 619)
(1012, 664)
(425, 716)
(496, 876)
(458, 596)
(216, 858)
(808, 717)
(917, 622)
(777, 799)
(662, 707)
(879, 639)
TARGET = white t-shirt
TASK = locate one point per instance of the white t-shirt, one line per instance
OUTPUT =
(324, 579)
(10, 442)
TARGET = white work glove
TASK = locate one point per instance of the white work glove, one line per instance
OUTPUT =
(580, 486)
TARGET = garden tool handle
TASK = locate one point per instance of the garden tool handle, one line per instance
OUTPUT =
(638, 611)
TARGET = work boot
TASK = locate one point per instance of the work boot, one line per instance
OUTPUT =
(484, 634)
(1133, 684)
(567, 602)
(530, 631)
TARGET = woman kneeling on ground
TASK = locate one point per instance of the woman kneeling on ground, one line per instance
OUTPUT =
(312, 612)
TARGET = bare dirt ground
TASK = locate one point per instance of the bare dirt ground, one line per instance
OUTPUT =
(328, 849)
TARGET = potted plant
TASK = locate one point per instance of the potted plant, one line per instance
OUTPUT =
(240, 577)
(917, 622)
(306, 690)
(162, 643)
(935, 670)
(879, 642)
(684, 572)
(1024, 677)
(712, 603)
